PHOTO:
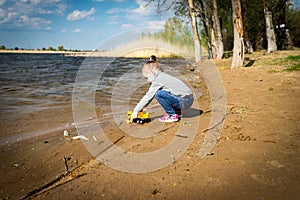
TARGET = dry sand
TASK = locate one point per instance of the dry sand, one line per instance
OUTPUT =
(257, 156)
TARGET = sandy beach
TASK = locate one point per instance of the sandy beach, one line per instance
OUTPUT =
(256, 157)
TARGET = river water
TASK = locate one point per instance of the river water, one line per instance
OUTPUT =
(32, 86)
(33, 82)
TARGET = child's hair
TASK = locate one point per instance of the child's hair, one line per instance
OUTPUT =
(153, 58)
(151, 66)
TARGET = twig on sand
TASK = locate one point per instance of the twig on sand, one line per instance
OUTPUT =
(212, 127)
(66, 165)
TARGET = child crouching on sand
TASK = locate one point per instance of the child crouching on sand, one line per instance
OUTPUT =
(171, 93)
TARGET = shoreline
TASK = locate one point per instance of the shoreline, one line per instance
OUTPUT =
(37, 51)
(138, 53)
(65, 53)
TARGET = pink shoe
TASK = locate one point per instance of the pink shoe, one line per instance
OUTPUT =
(168, 118)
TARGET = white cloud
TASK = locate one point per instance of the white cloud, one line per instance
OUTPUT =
(117, 11)
(59, 9)
(156, 24)
(48, 28)
(29, 14)
(77, 30)
(2, 2)
(35, 2)
(2, 13)
(24, 19)
(77, 14)
(34, 22)
(127, 26)
(113, 19)
(114, 11)
(64, 30)
(7, 17)
(143, 9)
(113, 22)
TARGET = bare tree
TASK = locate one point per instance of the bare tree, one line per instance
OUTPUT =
(238, 44)
(248, 46)
(163, 5)
(208, 13)
(195, 32)
(218, 33)
(202, 14)
(271, 39)
(208, 21)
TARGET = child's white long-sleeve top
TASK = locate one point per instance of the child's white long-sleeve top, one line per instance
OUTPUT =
(163, 81)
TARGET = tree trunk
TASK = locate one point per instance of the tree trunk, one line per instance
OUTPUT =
(195, 32)
(270, 31)
(214, 46)
(209, 51)
(206, 16)
(289, 43)
(248, 46)
(238, 45)
(203, 17)
(218, 33)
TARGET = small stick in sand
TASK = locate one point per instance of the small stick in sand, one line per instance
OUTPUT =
(66, 164)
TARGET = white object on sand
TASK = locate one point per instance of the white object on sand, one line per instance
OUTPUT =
(80, 137)
(66, 133)
(95, 138)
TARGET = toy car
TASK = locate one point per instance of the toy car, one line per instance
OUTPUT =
(141, 118)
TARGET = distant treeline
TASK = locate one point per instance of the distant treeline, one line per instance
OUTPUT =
(50, 48)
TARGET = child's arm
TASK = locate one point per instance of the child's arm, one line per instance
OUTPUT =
(147, 97)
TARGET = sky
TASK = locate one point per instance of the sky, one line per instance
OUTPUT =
(74, 24)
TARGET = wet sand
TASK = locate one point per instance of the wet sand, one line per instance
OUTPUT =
(257, 156)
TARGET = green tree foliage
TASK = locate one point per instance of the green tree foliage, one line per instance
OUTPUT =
(2, 47)
(254, 23)
(60, 48)
(284, 17)
(293, 23)
(50, 48)
(176, 32)
(225, 17)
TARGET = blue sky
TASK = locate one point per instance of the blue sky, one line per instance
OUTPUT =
(75, 24)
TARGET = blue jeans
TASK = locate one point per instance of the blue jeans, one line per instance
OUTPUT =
(172, 103)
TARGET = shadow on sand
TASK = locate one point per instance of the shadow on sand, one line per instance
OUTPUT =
(191, 112)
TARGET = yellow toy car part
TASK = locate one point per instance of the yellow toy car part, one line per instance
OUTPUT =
(141, 118)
